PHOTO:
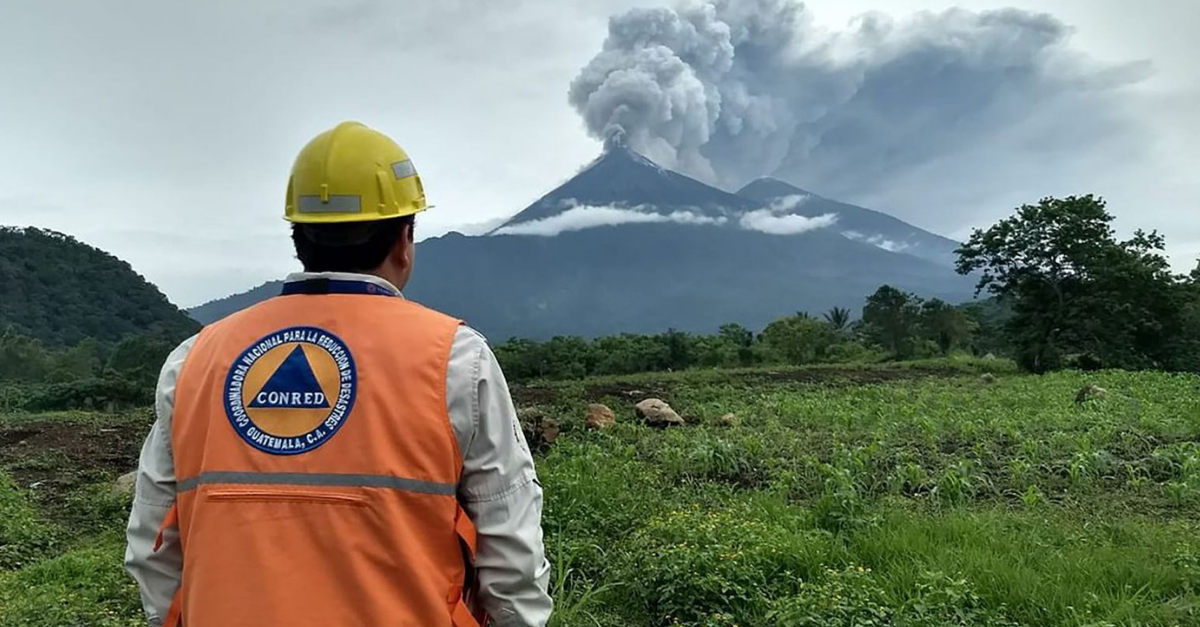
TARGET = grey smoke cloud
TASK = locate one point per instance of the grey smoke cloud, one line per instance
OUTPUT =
(944, 106)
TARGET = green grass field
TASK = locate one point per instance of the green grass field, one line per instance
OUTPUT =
(922, 495)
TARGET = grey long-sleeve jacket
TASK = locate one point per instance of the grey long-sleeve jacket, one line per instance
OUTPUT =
(499, 488)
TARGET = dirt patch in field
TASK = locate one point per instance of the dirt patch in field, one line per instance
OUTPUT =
(629, 391)
(52, 458)
(524, 396)
(833, 376)
(535, 395)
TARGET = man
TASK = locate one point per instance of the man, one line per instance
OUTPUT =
(339, 456)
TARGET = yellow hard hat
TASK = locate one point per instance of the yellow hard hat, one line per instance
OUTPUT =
(352, 174)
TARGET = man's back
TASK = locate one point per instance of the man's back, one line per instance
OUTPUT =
(337, 457)
(319, 442)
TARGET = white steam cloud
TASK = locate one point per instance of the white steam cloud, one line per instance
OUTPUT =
(878, 240)
(962, 102)
(777, 218)
(580, 217)
(765, 221)
(788, 204)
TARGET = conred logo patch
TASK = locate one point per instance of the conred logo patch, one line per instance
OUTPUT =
(291, 391)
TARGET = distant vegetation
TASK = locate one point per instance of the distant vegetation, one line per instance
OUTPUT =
(78, 327)
(89, 375)
(61, 292)
(894, 326)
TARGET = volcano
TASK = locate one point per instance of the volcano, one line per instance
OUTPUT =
(629, 246)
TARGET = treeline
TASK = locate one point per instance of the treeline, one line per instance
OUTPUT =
(89, 375)
(893, 325)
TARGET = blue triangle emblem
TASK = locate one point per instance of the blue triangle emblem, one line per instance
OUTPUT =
(292, 386)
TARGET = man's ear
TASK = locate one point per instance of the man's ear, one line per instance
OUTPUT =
(402, 249)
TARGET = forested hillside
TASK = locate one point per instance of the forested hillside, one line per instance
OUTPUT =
(61, 291)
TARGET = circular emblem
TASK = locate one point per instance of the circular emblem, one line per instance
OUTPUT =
(291, 391)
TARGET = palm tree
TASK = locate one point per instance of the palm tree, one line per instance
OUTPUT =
(838, 318)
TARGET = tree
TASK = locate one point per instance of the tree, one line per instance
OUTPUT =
(798, 340)
(567, 357)
(522, 359)
(22, 358)
(139, 358)
(81, 361)
(736, 334)
(890, 319)
(1075, 289)
(989, 320)
(945, 325)
(742, 339)
(1190, 343)
(679, 349)
(838, 318)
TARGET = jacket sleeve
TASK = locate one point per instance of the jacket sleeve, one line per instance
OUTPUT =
(157, 572)
(499, 488)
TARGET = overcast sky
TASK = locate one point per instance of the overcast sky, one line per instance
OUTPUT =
(163, 132)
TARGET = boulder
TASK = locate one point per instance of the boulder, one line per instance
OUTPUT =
(540, 430)
(1090, 393)
(124, 485)
(659, 414)
(549, 430)
(987, 377)
(728, 420)
(599, 417)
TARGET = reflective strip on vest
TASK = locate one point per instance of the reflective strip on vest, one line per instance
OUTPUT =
(316, 479)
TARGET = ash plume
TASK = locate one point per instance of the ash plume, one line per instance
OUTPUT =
(729, 90)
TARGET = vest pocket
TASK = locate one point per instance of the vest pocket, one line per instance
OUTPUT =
(287, 496)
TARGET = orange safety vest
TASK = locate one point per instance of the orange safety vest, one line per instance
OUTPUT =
(317, 467)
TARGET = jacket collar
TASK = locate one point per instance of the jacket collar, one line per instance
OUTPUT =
(298, 277)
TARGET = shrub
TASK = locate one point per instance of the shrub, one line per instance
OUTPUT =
(845, 598)
(109, 393)
(697, 566)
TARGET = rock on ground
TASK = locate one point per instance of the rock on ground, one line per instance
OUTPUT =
(540, 430)
(728, 420)
(125, 483)
(599, 417)
(1090, 393)
(657, 413)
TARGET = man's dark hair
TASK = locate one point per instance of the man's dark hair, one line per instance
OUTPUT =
(348, 247)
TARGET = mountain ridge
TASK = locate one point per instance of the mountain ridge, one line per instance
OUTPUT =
(628, 246)
(61, 291)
